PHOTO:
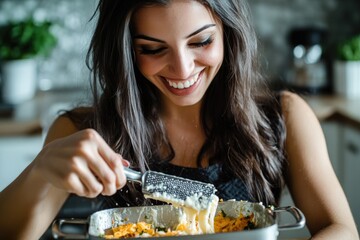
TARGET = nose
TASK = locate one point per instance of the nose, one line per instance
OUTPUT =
(181, 63)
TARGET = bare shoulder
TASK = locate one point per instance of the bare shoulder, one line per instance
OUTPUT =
(293, 104)
(288, 98)
(61, 127)
(304, 137)
(300, 120)
(296, 111)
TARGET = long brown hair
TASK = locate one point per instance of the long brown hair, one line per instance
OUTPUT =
(246, 130)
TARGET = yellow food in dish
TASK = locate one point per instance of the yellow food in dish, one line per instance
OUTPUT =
(222, 223)
(143, 229)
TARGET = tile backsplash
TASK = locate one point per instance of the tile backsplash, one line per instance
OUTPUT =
(273, 19)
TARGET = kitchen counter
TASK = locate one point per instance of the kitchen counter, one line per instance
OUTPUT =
(35, 115)
(329, 107)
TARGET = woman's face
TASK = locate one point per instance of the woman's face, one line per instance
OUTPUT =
(179, 48)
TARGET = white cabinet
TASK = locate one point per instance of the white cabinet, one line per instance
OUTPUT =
(16, 153)
(351, 165)
(332, 132)
(343, 144)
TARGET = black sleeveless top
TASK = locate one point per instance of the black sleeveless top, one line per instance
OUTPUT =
(232, 188)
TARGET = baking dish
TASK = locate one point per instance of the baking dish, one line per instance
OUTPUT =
(266, 225)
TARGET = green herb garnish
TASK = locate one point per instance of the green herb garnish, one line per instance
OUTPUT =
(223, 213)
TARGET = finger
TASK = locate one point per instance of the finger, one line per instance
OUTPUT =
(92, 186)
(104, 173)
(117, 164)
(99, 164)
(74, 185)
(114, 160)
(125, 163)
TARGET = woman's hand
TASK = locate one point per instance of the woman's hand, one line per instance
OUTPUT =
(83, 164)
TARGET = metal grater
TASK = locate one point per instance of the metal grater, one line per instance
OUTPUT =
(173, 189)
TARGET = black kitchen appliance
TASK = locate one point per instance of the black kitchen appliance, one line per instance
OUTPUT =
(307, 72)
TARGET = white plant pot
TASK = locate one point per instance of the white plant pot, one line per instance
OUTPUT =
(18, 80)
(347, 78)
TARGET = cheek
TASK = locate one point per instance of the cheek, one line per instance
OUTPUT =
(147, 65)
(213, 56)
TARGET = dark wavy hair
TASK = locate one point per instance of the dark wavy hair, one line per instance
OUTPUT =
(241, 118)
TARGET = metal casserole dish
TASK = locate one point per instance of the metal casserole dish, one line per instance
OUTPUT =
(266, 226)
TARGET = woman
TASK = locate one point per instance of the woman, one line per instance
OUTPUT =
(177, 89)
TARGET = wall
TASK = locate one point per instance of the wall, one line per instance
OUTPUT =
(272, 18)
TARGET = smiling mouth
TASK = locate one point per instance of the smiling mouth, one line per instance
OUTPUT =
(184, 84)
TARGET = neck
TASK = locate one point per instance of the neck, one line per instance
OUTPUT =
(184, 114)
(185, 132)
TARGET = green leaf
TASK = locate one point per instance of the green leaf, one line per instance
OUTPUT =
(350, 50)
(25, 39)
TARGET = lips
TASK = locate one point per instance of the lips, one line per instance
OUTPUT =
(183, 87)
(183, 84)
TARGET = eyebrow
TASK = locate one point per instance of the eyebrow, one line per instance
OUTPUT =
(141, 36)
(201, 29)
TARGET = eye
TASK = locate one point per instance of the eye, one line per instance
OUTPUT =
(148, 51)
(208, 41)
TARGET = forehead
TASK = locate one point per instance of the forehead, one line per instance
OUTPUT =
(177, 17)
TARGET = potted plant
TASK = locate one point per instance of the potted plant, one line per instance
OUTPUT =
(347, 68)
(21, 43)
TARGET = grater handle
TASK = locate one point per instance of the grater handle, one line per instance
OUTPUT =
(133, 175)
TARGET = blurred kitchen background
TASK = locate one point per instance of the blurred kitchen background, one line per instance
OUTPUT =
(65, 68)
(274, 20)
(298, 41)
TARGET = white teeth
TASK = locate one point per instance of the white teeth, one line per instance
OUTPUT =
(182, 85)
(186, 84)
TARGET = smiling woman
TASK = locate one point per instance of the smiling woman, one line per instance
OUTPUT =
(184, 59)
(177, 89)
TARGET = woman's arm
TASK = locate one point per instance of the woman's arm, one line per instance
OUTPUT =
(29, 203)
(71, 161)
(311, 179)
